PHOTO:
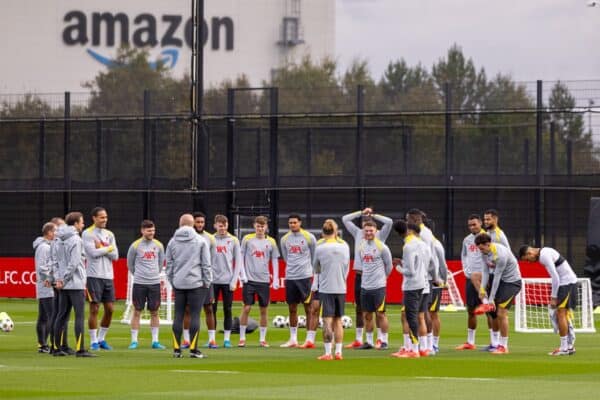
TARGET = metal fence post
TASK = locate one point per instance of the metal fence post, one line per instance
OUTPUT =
(358, 151)
(449, 154)
(273, 160)
(67, 154)
(147, 155)
(539, 192)
(230, 163)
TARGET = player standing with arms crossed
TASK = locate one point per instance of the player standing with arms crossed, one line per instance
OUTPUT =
(100, 251)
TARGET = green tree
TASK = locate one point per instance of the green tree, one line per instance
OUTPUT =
(120, 89)
(468, 86)
(570, 128)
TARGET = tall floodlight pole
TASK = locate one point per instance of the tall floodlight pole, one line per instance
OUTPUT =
(199, 139)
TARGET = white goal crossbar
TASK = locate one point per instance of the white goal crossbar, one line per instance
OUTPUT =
(166, 303)
(531, 306)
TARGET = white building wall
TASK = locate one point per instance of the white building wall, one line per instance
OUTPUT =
(35, 58)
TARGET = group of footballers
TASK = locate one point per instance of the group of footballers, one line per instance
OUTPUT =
(73, 263)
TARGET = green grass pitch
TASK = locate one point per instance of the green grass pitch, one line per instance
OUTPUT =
(275, 373)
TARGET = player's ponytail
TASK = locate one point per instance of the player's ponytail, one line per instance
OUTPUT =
(329, 227)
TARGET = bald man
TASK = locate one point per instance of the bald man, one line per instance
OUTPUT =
(189, 272)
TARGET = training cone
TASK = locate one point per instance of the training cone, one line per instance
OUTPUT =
(597, 310)
(450, 308)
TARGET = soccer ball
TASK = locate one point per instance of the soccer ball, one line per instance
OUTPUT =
(346, 322)
(279, 321)
(301, 321)
(6, 324)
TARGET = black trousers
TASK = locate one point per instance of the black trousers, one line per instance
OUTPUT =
(43, 326)
(70, 299)
(412, 302)
(194, 299)
(227, 303)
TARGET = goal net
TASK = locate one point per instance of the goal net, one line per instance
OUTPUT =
(451, 298)
(532, 303)
(166, 303)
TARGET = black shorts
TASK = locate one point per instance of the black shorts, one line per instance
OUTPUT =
(357, 284)
(424, 304)
(472, 295)
(372, 300)
(411, 300)
(506, 294)
(297, 291)
(210, 297)
(315, 296)
(435, 299)
(567, 296)
(259, 289)
(100, 290)
(332, 305)
(146, 294)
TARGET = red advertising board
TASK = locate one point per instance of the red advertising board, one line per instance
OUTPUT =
(17, 279)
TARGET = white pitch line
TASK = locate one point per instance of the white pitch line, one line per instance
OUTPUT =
(204, 371)
(455, 378)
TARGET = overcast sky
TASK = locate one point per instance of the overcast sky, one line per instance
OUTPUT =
(528, 39)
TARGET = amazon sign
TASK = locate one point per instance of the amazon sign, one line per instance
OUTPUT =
(169, 32)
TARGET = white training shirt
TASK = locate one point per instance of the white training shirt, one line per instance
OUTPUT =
(561, 275)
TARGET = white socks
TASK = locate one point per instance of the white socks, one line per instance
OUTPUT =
(212, 335)
(436, 341)
(93, 337)
(186, 335)
(504, 342)
(294, 334)
(338, 348)
(370, 338)
(430, 341)
(134, 335)
(407, 341)
(471, 336)
(102, 334)
(154, 330)
(564, 343)
(242, 332)
(328, 348)
(263, 333)
(310, 336)
(227, 335)
(359, 334)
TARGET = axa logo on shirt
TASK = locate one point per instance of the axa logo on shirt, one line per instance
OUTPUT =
(473, 248)
(149, 255)
(168, 31)
(221, 249)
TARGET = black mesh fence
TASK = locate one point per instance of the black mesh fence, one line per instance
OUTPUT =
(278, 150)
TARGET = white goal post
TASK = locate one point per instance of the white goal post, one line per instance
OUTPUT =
(531, 306)
(451, 299)
(166, 303)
